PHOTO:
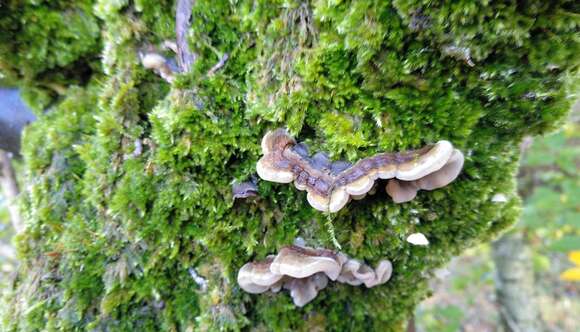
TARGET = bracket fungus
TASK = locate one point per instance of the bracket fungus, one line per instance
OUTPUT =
(256, 277)
(356, 273)
(302, 262)
(499, 198)
(244, 189)
(305, 290)
(404, 191)
(305, 271)
(418, 239)
(330, 185)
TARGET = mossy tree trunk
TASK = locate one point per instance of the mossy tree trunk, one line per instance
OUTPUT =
(129, 178)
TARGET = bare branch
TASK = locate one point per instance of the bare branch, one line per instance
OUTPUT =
(10, 189)
(218, 65)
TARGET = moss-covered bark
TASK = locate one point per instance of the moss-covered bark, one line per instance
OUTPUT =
(114, 234)
(46, 46)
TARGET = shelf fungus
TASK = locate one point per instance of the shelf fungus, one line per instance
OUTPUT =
(356, 273)
(159, 64)
(244, 189)
(305, 271)
(330, 185)
(418, 239)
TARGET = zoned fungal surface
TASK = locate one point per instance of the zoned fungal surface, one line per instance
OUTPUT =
(304, 271)
(330, 185)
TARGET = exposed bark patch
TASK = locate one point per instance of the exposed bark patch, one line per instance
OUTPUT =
(185, 58)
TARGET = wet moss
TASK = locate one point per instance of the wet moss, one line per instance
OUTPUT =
(46, 46)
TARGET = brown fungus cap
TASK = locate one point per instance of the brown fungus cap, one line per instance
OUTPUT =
(302, 262)
(445, 175)
(330, 185)
(401, 191)
(426, 163)
(256, 277)
(356, 273)
(404, 191)
(305, 271)
(276, 141)
(305, 290)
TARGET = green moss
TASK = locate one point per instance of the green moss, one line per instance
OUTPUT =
(129, 178)
(46, 46)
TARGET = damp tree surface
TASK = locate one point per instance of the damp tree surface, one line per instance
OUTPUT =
(150, 118)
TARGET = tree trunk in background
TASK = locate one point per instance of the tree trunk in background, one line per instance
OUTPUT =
(515, 285)
(10, 189)
(515, 280)
(14, 116)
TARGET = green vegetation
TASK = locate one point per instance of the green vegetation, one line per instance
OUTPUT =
(549, 184)
(113, 233)
(46, 46)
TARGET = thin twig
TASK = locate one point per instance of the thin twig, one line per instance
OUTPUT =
(218, 65)
(10, 189)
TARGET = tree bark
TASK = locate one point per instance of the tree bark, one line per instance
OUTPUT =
(515, 284)
(10, 190)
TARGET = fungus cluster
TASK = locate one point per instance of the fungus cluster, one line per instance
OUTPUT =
(305, 271)
(330, 185)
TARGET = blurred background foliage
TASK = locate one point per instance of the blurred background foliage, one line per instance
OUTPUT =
(7, 252)
(549, 182)
(464, 295)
